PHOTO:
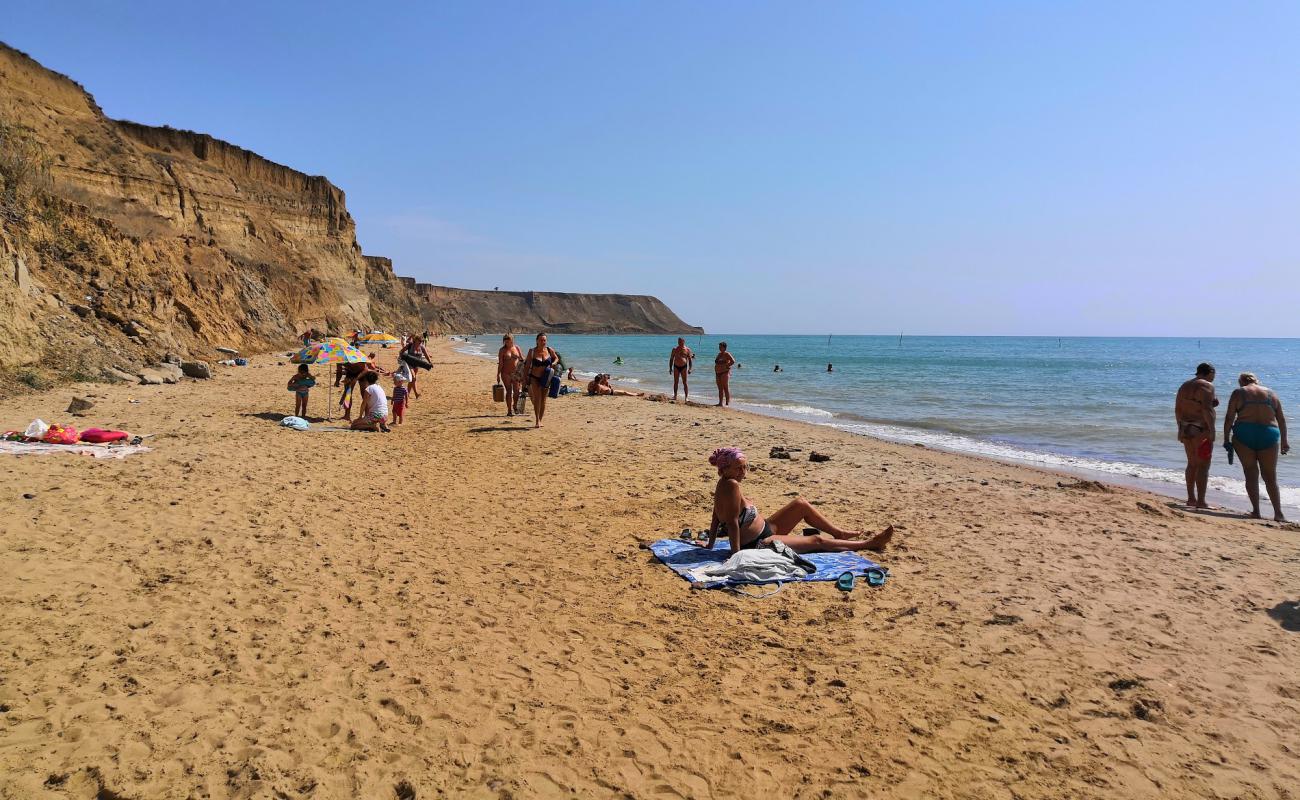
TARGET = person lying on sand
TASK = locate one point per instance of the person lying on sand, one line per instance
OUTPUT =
(600, 385)
(747, 529)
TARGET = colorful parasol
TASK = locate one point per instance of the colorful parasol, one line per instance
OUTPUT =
(330, 351)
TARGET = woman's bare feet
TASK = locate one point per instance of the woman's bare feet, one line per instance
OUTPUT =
(1279, 518)
(878, 542)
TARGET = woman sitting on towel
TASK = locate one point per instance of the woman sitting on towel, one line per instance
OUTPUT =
(747, 529)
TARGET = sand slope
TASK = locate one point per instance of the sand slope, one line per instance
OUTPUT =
(462, 608)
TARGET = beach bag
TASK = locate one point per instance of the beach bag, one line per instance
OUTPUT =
(101, 436)
(58, 434)
(520, 401)
(296, 423)
(555, 386)
(498, 393)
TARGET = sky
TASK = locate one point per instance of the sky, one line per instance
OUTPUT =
(1004, 168)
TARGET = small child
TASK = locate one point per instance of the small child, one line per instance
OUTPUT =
(300, 384)
(399, 399)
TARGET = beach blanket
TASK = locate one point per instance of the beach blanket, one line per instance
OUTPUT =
(96, 450)
(681, 557)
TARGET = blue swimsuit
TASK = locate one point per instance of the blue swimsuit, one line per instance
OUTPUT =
(1257, 436)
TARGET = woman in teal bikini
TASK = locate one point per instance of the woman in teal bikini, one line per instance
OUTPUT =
(1256, 429)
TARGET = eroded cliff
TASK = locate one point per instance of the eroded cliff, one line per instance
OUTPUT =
(121, 242)
(562, 312)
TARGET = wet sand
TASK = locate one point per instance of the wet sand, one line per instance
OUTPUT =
(464, 608)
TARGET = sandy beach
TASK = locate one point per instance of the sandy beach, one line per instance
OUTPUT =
(465, 608)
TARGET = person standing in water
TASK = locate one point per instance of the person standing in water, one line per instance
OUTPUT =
(540, 361)
(830, 368)
(508, 358)
(1194, 412)
(722, 363)
(680, 363)
(1255, 426)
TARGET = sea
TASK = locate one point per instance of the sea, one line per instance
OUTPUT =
(1097, 407)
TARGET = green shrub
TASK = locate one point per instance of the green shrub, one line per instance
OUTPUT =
(24, 171)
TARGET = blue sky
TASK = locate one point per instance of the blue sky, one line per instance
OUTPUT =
(1055, 168)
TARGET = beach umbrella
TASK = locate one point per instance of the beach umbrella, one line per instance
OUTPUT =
(330, 351)
(378, 337)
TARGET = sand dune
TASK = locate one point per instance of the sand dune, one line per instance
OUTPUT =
(463, 608)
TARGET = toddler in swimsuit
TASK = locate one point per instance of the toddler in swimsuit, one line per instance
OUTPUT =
(399, 399)
(300, 384)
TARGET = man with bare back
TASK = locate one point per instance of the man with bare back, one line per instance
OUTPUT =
(508, 361)
(1194, 413)
(680, 364)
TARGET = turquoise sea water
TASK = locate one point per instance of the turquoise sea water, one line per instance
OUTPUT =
(1101, 406)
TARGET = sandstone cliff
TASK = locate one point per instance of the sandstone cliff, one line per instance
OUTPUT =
(127, 241)
(472, 310)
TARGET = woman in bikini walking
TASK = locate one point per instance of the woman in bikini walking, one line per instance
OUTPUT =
(541, 362)
(508, 358)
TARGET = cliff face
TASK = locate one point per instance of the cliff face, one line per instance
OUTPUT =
(472, 310)
(142, 240)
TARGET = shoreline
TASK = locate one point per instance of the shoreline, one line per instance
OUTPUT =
(1221, 500)
(464, 606)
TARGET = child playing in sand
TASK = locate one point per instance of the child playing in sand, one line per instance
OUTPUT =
(399, 399)
(300, 384)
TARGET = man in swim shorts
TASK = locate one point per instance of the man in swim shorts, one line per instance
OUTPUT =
(508, 359)
(1194, 413)
(680, 364)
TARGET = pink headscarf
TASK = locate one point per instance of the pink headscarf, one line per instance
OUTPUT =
(724, 457)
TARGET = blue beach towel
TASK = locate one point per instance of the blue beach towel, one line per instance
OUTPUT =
(681, 556)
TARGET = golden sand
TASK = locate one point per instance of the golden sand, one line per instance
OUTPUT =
(464, 608)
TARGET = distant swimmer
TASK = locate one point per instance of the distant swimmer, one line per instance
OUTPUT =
(618, 361)
(776, 368)
(722, 364)
(1194, 412)
(830, 368)
(680, 363)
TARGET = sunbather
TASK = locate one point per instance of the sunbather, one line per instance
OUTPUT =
(745, 528)
(600, 385)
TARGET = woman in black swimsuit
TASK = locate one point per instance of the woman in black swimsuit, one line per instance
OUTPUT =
(747, 529)
(541, 361)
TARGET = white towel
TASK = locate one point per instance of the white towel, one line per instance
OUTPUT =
(761, 565)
